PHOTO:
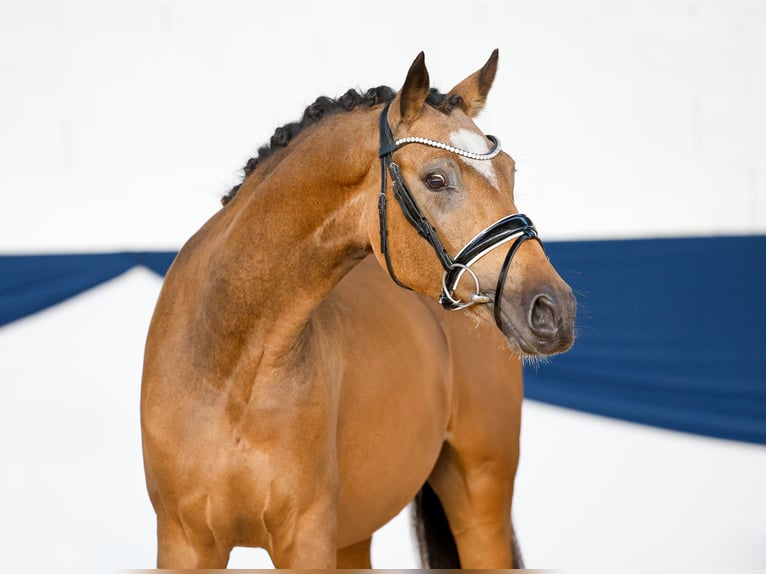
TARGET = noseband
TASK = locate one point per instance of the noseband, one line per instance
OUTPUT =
(517, 226)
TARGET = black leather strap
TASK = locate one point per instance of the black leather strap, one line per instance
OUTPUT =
(385, 152)
(406, 201)
(528, 234)
(416, 218)
(498, 231)
(491, 237)
(383, 216)
(387, 143)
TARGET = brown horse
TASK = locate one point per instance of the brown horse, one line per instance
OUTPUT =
(294, 398)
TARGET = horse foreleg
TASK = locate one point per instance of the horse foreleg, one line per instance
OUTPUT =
(309, 542)
(477, 502)
(355, 556)
(180, 550)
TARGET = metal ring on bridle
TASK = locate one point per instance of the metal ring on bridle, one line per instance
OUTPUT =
(476, 297)
(503, 230)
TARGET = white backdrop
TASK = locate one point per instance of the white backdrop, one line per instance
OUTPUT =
(122, 123)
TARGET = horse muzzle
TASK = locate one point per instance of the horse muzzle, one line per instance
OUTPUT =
(539, 321)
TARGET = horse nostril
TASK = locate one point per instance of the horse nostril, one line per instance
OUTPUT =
(543, 316)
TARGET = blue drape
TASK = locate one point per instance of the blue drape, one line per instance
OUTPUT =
(31, 283)
(670, 331)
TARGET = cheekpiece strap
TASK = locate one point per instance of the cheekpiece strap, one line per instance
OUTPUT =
(517, 226)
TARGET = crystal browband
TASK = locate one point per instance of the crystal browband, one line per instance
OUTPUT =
(468, 154)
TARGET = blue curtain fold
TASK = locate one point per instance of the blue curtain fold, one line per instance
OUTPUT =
(670, 331)
(31, 283)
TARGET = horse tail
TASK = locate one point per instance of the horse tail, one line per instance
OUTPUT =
(435, 539)
(518, 561)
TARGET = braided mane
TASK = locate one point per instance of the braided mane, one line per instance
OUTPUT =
(324, 106)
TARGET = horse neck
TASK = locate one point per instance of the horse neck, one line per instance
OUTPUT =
(295, 230)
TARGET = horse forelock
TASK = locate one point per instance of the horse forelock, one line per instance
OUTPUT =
(325, 106)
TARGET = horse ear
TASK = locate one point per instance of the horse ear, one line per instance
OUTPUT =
(413, 94)
(474, 89)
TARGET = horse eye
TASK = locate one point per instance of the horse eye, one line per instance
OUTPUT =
(436, 181)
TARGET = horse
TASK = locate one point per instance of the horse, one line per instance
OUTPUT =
(345, 335)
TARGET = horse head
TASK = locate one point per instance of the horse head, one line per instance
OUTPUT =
(456, 233)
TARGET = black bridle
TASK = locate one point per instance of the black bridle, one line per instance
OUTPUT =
(516, 226)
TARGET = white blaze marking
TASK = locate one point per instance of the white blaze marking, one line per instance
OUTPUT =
(474, 142)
